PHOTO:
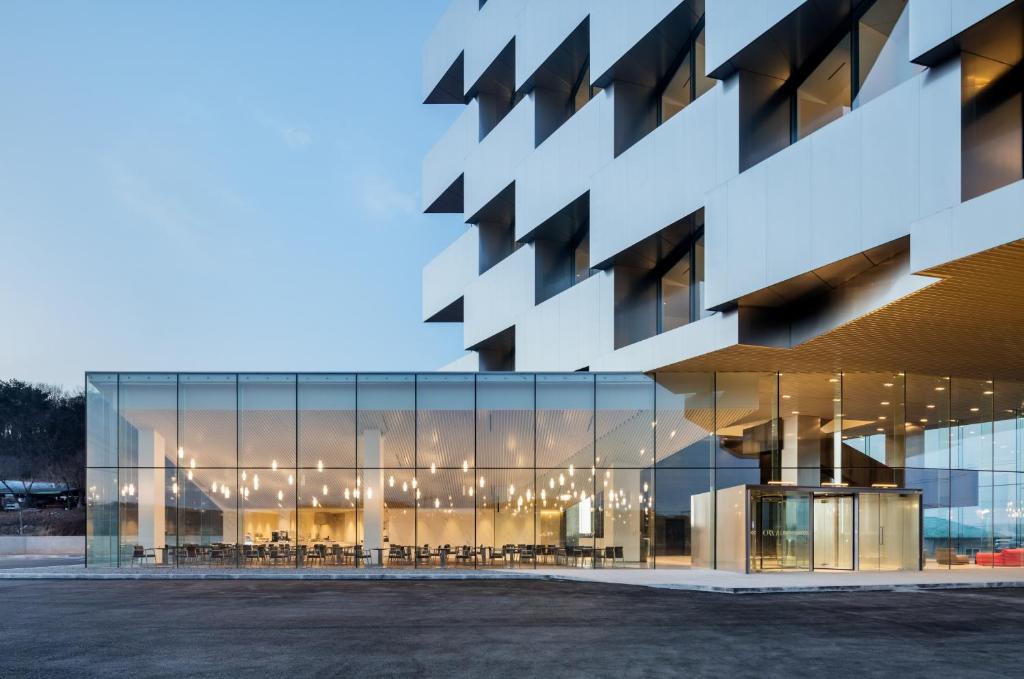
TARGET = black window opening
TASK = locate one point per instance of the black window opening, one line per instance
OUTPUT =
(680, 285)
(561, 263)
(827, 85)
(685, 80)
(659, 282)
(582, 91)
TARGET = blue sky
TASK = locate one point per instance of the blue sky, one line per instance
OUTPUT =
(216, 186)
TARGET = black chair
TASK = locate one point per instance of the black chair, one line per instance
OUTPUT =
(463, 555)
(397, 553)
(617, 555)
(319, 553)
(526, 553)
(423, 554)
(359, 554)
(497, 555)
(140, 554)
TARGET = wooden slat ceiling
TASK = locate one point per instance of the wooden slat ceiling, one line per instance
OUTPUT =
(968, 324)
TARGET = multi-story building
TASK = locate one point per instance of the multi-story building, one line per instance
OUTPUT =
(796, 224)
(820, 196)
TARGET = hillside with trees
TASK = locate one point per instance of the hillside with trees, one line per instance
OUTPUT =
(42, 439)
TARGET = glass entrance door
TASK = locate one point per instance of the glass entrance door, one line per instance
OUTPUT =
(890, 532)
(779, 531)
(833, 532)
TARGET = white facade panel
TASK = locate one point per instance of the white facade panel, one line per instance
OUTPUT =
(494, 25)
(447, 159)
(659, 180)
(567, 330)
(498, 297)
(615, 26)
(492, 164)
(447, 276)
(543, 26)
(561, 169)
(447, 41)
(732, 24)
(933, 22)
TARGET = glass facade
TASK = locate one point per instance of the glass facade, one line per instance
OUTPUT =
(520, 470)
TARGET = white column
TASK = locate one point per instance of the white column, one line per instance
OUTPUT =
(372, 490)
(801, 450)
(152, 511)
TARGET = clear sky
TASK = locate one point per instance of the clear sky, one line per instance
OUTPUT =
(216, 186)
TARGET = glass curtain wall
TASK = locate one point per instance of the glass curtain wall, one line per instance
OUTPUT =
(516, 470)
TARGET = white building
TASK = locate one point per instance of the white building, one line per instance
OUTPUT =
(730, 185)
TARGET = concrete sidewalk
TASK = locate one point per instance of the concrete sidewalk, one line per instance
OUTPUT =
(698, 580)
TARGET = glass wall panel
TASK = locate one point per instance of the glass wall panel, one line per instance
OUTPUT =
(873, 444)
(207, 421)
(625, 421)
(811, 452)
(266, 421)
(101, 500)
(682, 531)
(327, 521)
(401, 489)
(1008, 409)
(971, 404)
(148, 405)
(505, 517)
(147, 515)
(686, 419)
(327, 421)
(927, 422)
(625, 511)
(207, 517)
(445, 528)
(970, 526)
(505, 420)
(266, 502)
(747, 420)
(444, 411)
(565, 421)
(779, 534)
(101, 425)
(387, 420)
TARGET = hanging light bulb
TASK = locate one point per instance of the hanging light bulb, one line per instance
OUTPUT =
(481, 482)
(391, 481)
(131, 490)
(174, 488)
(433, 468)
(319, 465)
(280, 495)
(245, 494)
(465, 465)
(414, 484)
(551, 484)
(369, 493)
(273, 465)
(189, 474)
(543, 494)
(405, 487)
(291, 479)
(213, 488)
(243, 475)
(511, 489)
(324, 489)
(471, 491)
(227, 493)
(561, 479)
(181, 453)
(348, 493)
(528, 495)
(255, 481)
(192, 463)
(314, 500)
(572, 470)
(437, 503)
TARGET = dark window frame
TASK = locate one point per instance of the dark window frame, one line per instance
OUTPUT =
(688, 50)
(686, 249)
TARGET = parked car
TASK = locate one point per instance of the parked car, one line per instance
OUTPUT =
(11, 503)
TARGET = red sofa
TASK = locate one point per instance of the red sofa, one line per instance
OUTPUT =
(1007, 557)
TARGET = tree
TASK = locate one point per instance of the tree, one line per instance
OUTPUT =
(42, 435)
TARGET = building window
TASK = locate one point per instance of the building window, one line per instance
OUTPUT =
(659, 282)
(681, 288)
(829, 88)
(562, 260)
(686, 80)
